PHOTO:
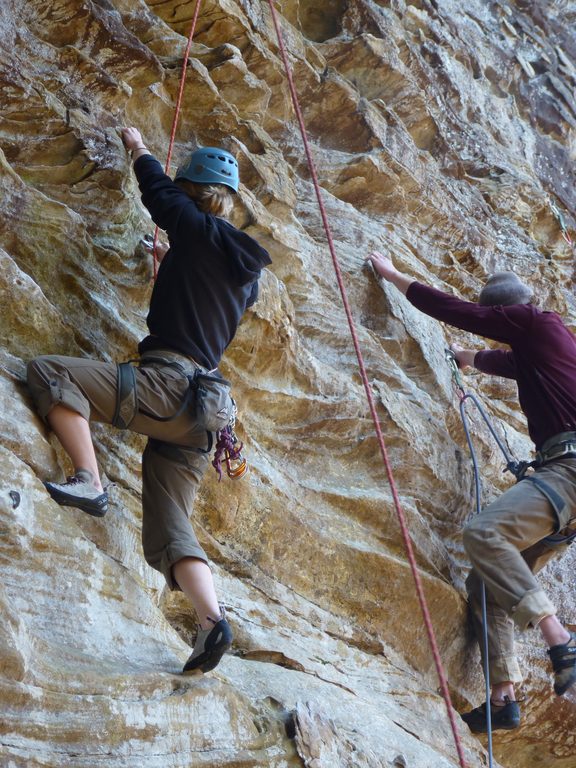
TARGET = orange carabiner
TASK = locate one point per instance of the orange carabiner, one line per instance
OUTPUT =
(235, 468)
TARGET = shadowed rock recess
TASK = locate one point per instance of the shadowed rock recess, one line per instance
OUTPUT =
(443, 133)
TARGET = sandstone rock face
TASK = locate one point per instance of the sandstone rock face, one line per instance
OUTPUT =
(444, 134)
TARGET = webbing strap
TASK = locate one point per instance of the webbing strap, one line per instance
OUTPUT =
(557, 539)
(126, 396)
(551, 494)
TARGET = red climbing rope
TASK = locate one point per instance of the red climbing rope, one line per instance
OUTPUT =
(383, 450)
(176, 118)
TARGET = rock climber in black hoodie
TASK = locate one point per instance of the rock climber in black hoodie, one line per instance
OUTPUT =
(207, 278)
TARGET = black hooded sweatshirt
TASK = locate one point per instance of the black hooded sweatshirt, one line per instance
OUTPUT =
(206, 280)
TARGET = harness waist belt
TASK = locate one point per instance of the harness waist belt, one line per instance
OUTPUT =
(165, 357)
(556, 447)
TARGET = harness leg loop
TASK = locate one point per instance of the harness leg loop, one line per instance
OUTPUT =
(126, 396)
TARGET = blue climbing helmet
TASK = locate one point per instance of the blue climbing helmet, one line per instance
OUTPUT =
(211, 165)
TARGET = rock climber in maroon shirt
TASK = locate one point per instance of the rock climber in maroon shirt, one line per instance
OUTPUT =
(509, 541)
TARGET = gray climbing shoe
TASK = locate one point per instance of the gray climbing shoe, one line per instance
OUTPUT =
(563, 658)
(210, 646)
(79, 491)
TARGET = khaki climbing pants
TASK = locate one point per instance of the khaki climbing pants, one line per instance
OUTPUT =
(175, 457)
(506, 545)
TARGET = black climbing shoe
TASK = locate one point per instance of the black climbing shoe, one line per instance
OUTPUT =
(210, 646)
(504, 718)
(79, 491)
(563, 658)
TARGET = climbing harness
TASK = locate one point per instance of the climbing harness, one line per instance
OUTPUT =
(370, 399)
(552, 449)
(126, 396)
(557, 447)
(561, 446)
(208, 395)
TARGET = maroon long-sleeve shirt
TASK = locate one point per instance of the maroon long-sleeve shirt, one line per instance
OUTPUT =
(542, 355)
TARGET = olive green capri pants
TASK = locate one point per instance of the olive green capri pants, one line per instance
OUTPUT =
(507, 545)
(175, 457)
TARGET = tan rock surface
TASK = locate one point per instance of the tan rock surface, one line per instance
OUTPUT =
(443, 133)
